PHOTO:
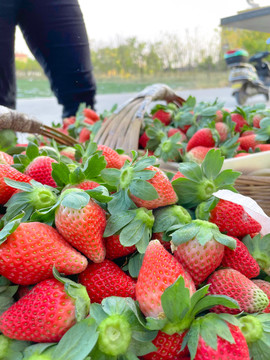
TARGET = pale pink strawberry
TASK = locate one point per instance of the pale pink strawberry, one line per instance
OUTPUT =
(198, 153)
(6, 158)
(223, 130)
(177, 175)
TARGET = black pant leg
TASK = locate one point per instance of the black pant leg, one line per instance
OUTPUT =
(8, 18)
(55, 33)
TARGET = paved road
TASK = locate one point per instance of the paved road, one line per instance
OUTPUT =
(48, 111)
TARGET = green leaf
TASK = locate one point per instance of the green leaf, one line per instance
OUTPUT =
(143, 190)
(76, 176)
(75, 199)
(185, 233)
(5, 303)
(226, 177)
(144, 163)
(18, 185)
(207, 333)
(93, 166)
(135, 264)
(212, 164)
(212, 300)
(193, 338)
(132, 233)
(32, 151)
(97, 313)
(144, 174)
(142, 244)
(224, 239)
(120, 202)
(60, 173)
(77, 342)
(191, 171)
(117, 222)
(10, 227)
(173, 308)
(100, 193)
(111, 176)
(155, 324)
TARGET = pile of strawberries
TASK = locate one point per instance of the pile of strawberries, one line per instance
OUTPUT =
(104, 256)
(188, 133)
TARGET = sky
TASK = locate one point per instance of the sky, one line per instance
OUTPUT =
(147, 20)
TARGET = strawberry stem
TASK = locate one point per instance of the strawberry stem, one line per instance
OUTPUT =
(251, 327)
(42, 198)
(114, 335)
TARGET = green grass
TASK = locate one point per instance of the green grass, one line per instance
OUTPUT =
(39, 86)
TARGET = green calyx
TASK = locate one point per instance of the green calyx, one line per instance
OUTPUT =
(114, 335)
(200, 182)
(218, 323)
(126, 177)
(169, 216)
(42, 198)
(251, 327)
(134, 227)
(259, 248)
(178, 316)
(203, 231)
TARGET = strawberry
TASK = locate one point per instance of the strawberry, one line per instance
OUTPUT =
(241, 154)
(219, 116)
(223, 130)
(111, 156)
(247, 133)
(256, 120)
(82, 226)
(241, 260)
(239, 120)
(259, 248)
(168, 347)
(28, 255)
(88, 121)
(143, 140)
(40, 169)
(124, 157)
(46, 313)
(84, 185)
(198, 153)
(158, 236)
(159, 270)
(173, 131)
(164, 116)
(248, 142)
(265, 287)
(232, 283)
(263, 147)
(6, 171)
(114, 249)
(202, 251)
(232, 346)
(204, 137)
(177, 175)
(91, 114)
(68, 152)
(161, 183)
(106, 279)
(6, 158)
(68, 121)
(233, 220)
(84, 135)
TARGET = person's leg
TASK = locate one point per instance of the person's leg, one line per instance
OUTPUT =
(8, 15)
(55, 33)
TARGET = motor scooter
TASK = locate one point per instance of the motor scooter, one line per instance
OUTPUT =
(262, 66)
(243, 76)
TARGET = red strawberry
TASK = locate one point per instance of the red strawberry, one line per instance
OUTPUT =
(163, 116)
(163, 186)
(168, 347)
(124, 157)
(158, 236)
(204, 137)
(83, 228)
(248, 142)
(241, 260)
(241, 154)
(68, 121)
(40, 169)
(114, 249)
(223, 130)
(84, 135)
(233, 220)
(91, 114)
(247, 133)
(177, 175)
(88, 121)
(185, 128)
(173, 131)
(111, 156)
(263, 147)
(43, 315)
(6, 158)
(84, 185)
(30, 252)
(198, 153)
(159, 270)
(239, 120)
(232, 283)
(68, 152)
(238, 350)
(106, 279)
(256, 120)
(143, 140)
(6, 171)
(265, 287)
